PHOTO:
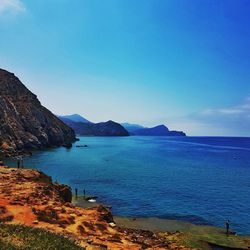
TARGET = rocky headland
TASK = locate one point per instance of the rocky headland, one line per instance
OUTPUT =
(109, 128)
(24, 122)
(160, 130)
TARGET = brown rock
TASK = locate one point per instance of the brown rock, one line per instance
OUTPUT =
(24, 122)
(5, 215)
(105, 214)
(65, 193)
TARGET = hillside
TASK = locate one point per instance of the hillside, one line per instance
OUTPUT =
(24, 122)
(74, 118)
(131, 128)
(17, 237)
(109, 128)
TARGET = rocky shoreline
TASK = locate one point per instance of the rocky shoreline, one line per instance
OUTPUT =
(29, 197)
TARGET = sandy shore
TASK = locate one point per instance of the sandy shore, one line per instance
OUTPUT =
(160, 225)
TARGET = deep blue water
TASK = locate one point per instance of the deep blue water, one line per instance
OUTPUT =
(205, 180)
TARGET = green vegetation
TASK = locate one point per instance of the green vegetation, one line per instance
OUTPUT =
(201, 237)
(17, 237)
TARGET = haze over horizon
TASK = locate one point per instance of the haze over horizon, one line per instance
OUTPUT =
(182, 63)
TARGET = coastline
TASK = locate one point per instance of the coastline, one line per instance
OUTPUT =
(102, 170)
(192, 235)
(154, 224)
(29, 197)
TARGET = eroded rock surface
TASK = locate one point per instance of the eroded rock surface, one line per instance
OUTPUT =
(24, 122)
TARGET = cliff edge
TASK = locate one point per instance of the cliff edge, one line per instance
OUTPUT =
(24, 122)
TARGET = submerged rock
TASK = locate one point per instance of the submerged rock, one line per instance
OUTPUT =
(67, 145)
(81, 146)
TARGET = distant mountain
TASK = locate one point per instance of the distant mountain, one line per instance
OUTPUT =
(109, 128)
(160, 130)
(131, 127)
(74, 118)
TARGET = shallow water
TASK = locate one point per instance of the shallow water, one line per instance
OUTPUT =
(204, 180)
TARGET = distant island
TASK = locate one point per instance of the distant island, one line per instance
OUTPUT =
(160, 130)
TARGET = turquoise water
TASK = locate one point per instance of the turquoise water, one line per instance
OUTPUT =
(204, 180)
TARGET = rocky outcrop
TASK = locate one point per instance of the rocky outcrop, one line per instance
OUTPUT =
(176, 133)
(24, 122)
(30, 198)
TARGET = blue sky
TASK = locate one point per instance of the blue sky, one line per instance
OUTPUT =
(184, 63)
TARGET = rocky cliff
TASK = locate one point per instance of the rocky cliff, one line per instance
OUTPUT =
(24, 122)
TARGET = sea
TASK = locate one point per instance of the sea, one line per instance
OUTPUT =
(203, 180)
